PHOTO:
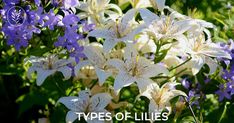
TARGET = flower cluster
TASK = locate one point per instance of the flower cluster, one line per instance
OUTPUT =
(151, 49)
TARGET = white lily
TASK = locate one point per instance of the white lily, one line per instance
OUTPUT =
(202, 51)
(145, 44)
(95, 11)
(84, 104)
(135, 69)
(97, 59)
(121, 30)
(165, 27)
(136, 3)
(158, 4)
(160, 97)
(87, 72)
(48, 66)
(198, 25)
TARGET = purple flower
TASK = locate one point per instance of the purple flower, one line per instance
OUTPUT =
(87, 27)
(36, 16)
(69, 41)
(193, 98)
(17, 41)
(207, 80)
(70, 20)
(11, 2)
(51, 19)
(55, 2)
(185, 83)
(230, 87)
(228, 75)
(223, 93)
(18, 35)
(70, 3)
(37, 2)
(229, 47)
(71, 36)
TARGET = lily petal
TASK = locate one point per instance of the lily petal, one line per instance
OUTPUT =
(148, 16)
(100, 101)
(122, 80)
(69, 102)
(66, 71)
(154, 70)
(79, 66)
(71, 117)
(101, 33)
(142, 83)
(102, 75)
(42, 75)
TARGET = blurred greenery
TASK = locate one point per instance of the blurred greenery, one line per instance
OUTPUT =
(22, 101)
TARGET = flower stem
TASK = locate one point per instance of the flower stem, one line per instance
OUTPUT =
(191, 110)
(224, 112)
(181, 64)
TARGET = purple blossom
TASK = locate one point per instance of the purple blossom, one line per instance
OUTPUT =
(70, 3)
(228, 47)
(194, 92)
(55, 2)
(11, 2)
(18, 35)
(37, 2)
(223, 93)
(230, 87)
(87, 27)
(51, 19)
(185, 83)
(71, 23)
(193, 97)
(228, 75)
(70, 20)
(17, 38)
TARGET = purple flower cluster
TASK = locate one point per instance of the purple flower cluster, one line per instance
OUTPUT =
(19, 33)
(71, 23)
(32, 21)
(194, 92)
(226, 90)
(228, 47)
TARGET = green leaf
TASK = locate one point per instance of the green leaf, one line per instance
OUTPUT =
(31, 99)
(187, 119)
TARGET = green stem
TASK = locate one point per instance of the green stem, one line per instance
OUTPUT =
(224, 112)
(191, 110)
(180, 64)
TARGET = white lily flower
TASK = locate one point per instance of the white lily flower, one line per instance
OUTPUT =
(158, 4)
(198, 25)
(84, 104)
(202, 51)
(136, 3)
(145, 44)
(97, 59)
(96, 10)
(164, 27)
(160, 97)
(135, 69)
(87, 72)
(48, 66)
(121, 30)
